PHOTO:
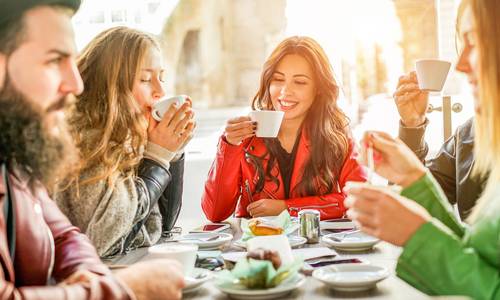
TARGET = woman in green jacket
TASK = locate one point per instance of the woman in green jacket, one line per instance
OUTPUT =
(442, 256)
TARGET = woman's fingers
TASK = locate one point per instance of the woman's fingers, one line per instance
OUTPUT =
(409, 97)
(240, 133)
(182, 125)
(168, 115)
(410, 77)
(179, 115)
(188, 134)
(238, 120)
(364, 219)
(239, 126)
(254, 205)
(382, 142)
(407, 88)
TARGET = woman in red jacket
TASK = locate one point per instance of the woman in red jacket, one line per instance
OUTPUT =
(309, 162)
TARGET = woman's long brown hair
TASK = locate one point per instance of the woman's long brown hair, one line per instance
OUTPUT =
(107, 122)
(325, 125)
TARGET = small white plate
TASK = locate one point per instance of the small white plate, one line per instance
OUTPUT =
(200, 239)
(238, 291)
(355, 242)
(294, 240)
(197, 278)
(351, 277)
(337, 224)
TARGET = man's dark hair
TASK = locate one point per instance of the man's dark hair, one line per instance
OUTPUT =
(11, 35)
(12, 28)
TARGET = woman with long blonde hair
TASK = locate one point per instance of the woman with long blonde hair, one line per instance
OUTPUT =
(309, 162)
(442, 256)
(128, 188)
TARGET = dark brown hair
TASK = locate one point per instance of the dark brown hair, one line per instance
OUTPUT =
(325, 125)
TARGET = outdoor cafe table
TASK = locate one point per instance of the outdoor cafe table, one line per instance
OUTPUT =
(383, 254)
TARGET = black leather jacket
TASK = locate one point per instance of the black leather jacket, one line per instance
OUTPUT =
(452, 166)
(165, 188)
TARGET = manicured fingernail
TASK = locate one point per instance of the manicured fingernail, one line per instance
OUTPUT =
(377, 156)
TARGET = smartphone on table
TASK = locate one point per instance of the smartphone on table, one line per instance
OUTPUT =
(211, 227)
(337, 225)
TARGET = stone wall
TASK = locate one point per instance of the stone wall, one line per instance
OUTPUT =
(419, 27)
(214, 49)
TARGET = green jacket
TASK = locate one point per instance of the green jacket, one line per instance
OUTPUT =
(446, 258)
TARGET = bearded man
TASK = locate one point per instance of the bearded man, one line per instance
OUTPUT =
(42, 256)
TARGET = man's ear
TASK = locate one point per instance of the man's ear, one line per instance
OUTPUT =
(3, 69)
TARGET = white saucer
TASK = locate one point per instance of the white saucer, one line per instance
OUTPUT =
(192, 238)
(352, 243)
(351, 277)
(337, 224)
(237, 291)
(294, 240)
(197, 278)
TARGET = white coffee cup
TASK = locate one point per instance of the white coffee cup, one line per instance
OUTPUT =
(431, 74)
(278, 243)
(162, 105)
(268, 122)
(185, 254)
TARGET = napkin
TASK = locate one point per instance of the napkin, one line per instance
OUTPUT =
(258, 274)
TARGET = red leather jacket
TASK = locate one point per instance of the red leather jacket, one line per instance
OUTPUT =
(230, 170)
(48, 250)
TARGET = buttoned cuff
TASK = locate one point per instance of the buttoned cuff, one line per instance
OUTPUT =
(160, 154)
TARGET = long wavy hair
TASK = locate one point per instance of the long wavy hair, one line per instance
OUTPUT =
(485, 14)
(325, 125)
(108, 125)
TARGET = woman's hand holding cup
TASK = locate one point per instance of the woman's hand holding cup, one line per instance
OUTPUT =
(239, 129)
(411, 101)
(175, 129)
(392, 158)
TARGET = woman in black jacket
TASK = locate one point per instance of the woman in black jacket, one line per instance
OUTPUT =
(128, 187)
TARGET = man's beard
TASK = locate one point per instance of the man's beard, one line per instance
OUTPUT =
(27, 140)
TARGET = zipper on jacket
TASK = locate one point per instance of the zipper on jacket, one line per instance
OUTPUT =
(52, 259)
(297, 209)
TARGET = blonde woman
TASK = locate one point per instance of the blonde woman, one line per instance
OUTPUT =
(129, 185)
(440, 255)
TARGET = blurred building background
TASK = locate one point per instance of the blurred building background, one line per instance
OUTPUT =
(214, 51)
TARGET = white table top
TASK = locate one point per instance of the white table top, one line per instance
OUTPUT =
(383, 254)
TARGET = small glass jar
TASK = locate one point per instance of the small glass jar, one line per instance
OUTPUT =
(309, 225)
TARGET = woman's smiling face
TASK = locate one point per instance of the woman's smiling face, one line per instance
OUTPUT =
(292, 87)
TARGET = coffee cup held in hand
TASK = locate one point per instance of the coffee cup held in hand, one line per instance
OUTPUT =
(268, 122)
(161, 106)
(431, 74)
(185, 254)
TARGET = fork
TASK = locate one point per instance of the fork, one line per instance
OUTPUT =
(213, 238)
(342, 237)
